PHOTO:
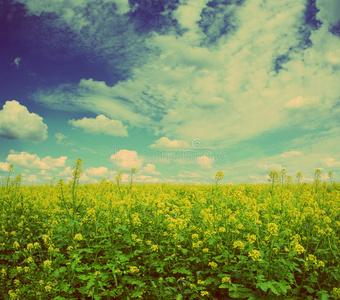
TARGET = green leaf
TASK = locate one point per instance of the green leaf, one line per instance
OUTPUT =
(273, 288)
(309, 289)
(263, 286)
(90, 283)
(184, 251)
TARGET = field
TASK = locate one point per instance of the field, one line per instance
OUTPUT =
(165, 241)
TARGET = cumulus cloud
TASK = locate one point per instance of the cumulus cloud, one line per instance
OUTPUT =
(205, 161)
(270, 167)
(66, 172)
(330, 162)
(166, 143)
(62, 139)
(32, 178)
(101, 124)
(301, 102)
(16, 122)
(150, 169)
(4, 166)
(33, 161)
(148, 179)
(188, 174)
(126, 159)
(288, 154)
(97, 172)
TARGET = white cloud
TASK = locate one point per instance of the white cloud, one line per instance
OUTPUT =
(70, 10)
(270, 167)
(301, 102)
(205, 162)
(126, 159)
(66, 172)
(288, 154)
(188, 14)
(84, 178)
(43, 172)
(101, 124)
(62, 139)
(4, 166)
(17, 61)
(227, 90)
(123, 6)
(330, 162)
(188, 174)
(97, 172)
(33, 161)
(16, 122)
(150, 169)
(32, 178)
(148, 179)
(166, 143)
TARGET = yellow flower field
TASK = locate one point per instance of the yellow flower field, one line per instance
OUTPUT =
(164, 241)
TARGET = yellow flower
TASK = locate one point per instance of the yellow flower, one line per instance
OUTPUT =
(12, 295)
(238, 244)
(298, 248)
(200, 282)
(240, 226)
(272, 228)
(222, 229)
(46, 238)
(16, 245)
(134, 269)
(205, 250)
(154, 248)
(30, 246)
(204, 293)
(336, 293)
(255, 255)
(78, 237)
(194, 236)
(321, 264)
(30, 260)
(251, 238)
(48, 288)
(47, 263)
(3, 272)
(226, 280)
(148, 242)
(213, 264)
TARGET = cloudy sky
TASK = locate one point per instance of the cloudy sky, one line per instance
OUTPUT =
(178, 89)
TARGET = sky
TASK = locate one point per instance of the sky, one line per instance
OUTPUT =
(178, 89)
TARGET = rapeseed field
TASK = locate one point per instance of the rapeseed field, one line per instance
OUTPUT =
(164, 241)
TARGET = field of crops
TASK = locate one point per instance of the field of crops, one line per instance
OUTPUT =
(165, 241)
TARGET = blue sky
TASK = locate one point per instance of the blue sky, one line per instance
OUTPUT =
(177, 89)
